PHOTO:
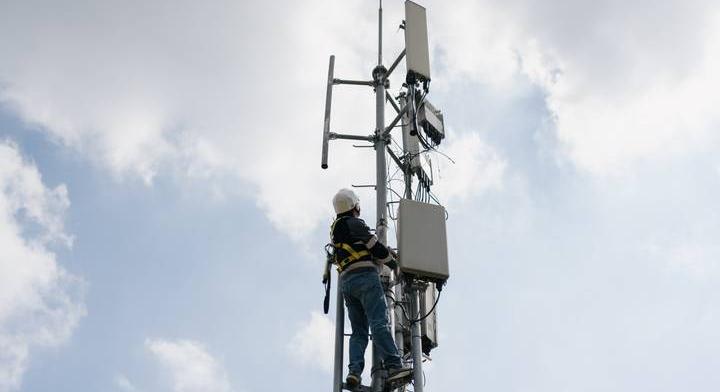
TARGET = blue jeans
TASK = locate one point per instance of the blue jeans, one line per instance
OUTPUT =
(365, 301)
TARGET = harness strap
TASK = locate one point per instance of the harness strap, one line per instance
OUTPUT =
(354, 255)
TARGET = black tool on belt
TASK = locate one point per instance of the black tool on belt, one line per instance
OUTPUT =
(327, 276)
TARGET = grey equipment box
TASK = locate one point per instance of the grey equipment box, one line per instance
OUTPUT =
(432, 121)
(428, 327)
(422, 240)
(416, 42)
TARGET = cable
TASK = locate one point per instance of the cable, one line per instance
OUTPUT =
(429, 311)
(402, 307)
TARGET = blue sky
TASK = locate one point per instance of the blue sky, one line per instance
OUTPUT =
(163, 211)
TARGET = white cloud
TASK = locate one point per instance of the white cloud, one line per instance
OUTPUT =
(222, 90)
(233, 92)
(626, 83)
(190, 366)
(313, 344)
(476, 168)
(124, 384)
(40, 302)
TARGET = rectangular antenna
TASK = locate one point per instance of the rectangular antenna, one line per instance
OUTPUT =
(328, 103)
(422, 240)
(416, 43)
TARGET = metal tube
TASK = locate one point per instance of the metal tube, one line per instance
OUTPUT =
(328, 103)
(381, 179)
(395, 63)
(381, 195)
(395, 158)
(416, 340)
(392, 102)
(354, 82)
(339, 338)
(334, 136)
(406, 147)
(380, 34)
(395, 120)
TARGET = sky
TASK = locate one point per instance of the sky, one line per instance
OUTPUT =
(163, 212)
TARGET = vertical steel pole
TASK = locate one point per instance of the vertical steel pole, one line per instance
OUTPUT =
(380, 34)
(399, 292)
(416, 340)
(339, 338)
(328, 104)
(406, 143)
(380, 180)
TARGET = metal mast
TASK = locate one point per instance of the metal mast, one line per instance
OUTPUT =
(407, 288)
(380, 178)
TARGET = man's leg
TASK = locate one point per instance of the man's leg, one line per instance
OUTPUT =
(373, 301)
(359, 323)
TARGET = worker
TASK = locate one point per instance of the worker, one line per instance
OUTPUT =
(360, 257)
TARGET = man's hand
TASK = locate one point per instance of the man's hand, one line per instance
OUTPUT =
(392, 264)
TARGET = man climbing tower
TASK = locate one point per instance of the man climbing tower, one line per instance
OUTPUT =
(359, 257)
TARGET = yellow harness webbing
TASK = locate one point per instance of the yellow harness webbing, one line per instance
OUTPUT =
(354, 255)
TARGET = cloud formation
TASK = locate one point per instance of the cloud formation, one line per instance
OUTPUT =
(313, 343)
(182, 89)
(190, 366)
(626, 84)
(40, 302)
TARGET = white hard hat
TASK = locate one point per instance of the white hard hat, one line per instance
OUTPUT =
(345, 200)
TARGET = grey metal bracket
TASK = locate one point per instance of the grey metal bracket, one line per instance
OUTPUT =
(397, 119)
(333, 136)
(370, 83)
(394, 104)
(395, 63)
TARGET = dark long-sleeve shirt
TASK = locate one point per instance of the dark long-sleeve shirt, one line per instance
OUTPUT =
(353, 231)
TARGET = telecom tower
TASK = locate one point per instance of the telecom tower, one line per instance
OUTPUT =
(422, 243)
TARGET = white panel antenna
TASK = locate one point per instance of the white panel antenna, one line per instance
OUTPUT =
(416, 43)
(422, 240)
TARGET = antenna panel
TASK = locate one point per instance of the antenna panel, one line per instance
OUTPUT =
(422, 240)
(416, 43)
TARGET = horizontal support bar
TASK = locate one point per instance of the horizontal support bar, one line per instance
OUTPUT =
(354, 82)
(333, 136)
(395, 64)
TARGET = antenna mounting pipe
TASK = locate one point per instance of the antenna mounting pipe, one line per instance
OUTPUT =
(328, 103)
(355, 82)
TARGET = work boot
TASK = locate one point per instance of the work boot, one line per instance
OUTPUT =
(352, 381)
(399, 373)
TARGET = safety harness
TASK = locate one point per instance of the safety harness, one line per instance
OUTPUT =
(354, 255)
(331, 250)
